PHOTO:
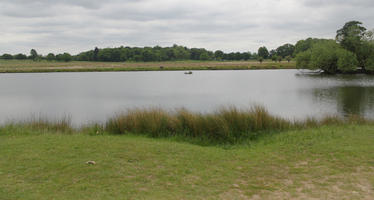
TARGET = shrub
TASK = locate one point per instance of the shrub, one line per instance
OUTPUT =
(303, 60)
(347, 61)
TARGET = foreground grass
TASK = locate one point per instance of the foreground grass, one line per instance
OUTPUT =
(24, 66)
(331, 162)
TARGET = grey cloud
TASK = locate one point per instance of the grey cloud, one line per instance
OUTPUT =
(231, 25)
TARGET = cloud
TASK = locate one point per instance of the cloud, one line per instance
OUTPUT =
(231, 25)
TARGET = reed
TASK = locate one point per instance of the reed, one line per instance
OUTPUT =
(227, 124)
(40, 123)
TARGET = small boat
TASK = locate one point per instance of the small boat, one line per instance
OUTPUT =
(188, 72)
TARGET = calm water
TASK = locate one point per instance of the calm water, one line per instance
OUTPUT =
(88, 97)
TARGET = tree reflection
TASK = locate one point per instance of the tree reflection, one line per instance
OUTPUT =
(350, 100)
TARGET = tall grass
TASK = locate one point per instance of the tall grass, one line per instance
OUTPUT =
(40, 123)
(225, 125)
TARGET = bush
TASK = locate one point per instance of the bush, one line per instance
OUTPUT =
(369, 65)
(324, 56)
(7, 56)
(347, 61)
(303, 60)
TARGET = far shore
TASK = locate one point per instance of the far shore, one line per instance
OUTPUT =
(28, 66)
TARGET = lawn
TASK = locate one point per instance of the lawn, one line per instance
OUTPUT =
(14, 66)
(330, 162)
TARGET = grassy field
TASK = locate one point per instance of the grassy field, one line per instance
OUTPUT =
(18, 66)
(330, 162)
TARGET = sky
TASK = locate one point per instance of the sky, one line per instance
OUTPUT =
(74, 26)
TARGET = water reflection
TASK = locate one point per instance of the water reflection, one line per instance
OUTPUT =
(96, 96)
(349, 100)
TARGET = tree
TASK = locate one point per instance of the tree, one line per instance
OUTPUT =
(272, 53)
(33, 54)
(246, 55)
(51, 57)
(324, 57)
(304, 45)
(354, 37)
(20, 56)
(327, 56)
(218, 55)
(279, 58)
(7, 56)
(260, 59)
(350, 35)
(64, 57)
(285, 50)
(347, 61)
(204, 56)
(303, 60)
(96, 54)
(288, 58)
(274, 58)
(263, 52)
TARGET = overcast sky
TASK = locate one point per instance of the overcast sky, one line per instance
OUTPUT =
(231, 25)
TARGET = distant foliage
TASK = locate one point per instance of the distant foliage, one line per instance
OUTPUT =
(328, 56)
(20, 56)
(304, 45)
(157, 53)
(263, 52)
(351, 51)
(285, 50)
(7, 56)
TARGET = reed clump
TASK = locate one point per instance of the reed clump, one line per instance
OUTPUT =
(61, 125)
(227, 124)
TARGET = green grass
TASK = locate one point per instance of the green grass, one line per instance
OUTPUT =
(28, 66)
(330, 162)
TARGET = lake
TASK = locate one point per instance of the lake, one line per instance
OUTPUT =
(93, 97)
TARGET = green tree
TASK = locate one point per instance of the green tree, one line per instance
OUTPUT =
(51, 57)
(67, 57)
(288, 58)
(218, 55)
(285, 50)
(347, 61)
(96, 54)
(279, 58)
(263, 52)
(324, 57)
(303, 60)
(33, 54)
(20, 56)
(7, 56)
(246, 55)
(351, 35)
(304, 45)
(204, 56)
(260, 59)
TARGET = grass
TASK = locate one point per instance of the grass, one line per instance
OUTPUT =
(329, 162)
(242, 154)
(28, 66)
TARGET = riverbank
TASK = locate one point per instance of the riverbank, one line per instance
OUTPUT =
(28, 66)
(332, 162)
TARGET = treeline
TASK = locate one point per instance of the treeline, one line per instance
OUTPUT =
(157, 53)
(66, 57)
(352, 51)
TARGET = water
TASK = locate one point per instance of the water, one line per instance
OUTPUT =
(92, 97)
